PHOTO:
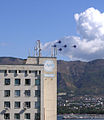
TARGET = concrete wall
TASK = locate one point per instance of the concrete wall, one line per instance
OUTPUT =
(50, 85)
(48, 68)
(22, 87)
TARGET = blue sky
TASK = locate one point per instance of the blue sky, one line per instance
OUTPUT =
(22, 22)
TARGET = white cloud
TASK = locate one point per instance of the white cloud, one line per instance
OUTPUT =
(90, 24)
(90, 44)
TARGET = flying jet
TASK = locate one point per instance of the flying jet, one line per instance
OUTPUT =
(74, 46)
(59, 41)
(60, 49)
(65, 46)
(54, 45)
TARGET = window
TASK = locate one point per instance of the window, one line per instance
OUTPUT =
(15, 71)
(37, 93)
(36, 73)
(6, 104)
(17, 105)
(27, 93)
(27, 81)
(27, 104)
(7, 116)
(9, 71)
(37, 82)
(17, 93)
(16, 116)
(7, 81)
(26, 73)
(29, 71)
(17, 82)
(39, 72)
(37, 104)
(27, 116)
(37, 116)
(6, 93)
(5, 72)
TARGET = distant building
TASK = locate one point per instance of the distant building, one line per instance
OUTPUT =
(29, 91)
(62, 94)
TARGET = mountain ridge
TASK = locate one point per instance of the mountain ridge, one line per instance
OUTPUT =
(86, 77)
(77, 77)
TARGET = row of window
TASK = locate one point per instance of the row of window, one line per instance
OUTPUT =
(20, 71)
(18, 117)
(17, 82)
(26, 105)
(17, 93)
(25, 72)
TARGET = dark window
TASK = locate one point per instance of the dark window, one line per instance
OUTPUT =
(37, 104)
(6, 93)
(27, 116)
(16, 116)
(7, 116)
(5, 71)
(17, 105)
(36, 73)
(26, 73)
(39, 72)
(37, 93)
(17, 82)
(27, 81)
(6, 104)
(37, 116)
(27, 93)
(7, 81)
(9, 71)
(17, 93)
(37, 82)
(27, 105)
(15, 71)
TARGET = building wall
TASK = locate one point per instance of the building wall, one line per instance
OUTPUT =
(22, 88)
(50, 85)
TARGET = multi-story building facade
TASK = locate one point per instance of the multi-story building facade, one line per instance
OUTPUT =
(29, 91)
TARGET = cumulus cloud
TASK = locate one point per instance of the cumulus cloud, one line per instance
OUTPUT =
(90, 44)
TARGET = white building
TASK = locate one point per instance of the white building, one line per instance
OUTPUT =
(29, 91)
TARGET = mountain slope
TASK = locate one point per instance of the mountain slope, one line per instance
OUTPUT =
(74, 76)
(11, 60)
(81, 77)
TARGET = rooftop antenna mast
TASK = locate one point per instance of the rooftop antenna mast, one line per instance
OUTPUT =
(29, 52)
(39, 49)
(51, 51)
(35, 49)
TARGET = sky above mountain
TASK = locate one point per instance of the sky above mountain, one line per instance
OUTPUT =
(79, 22)
(90, 42)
